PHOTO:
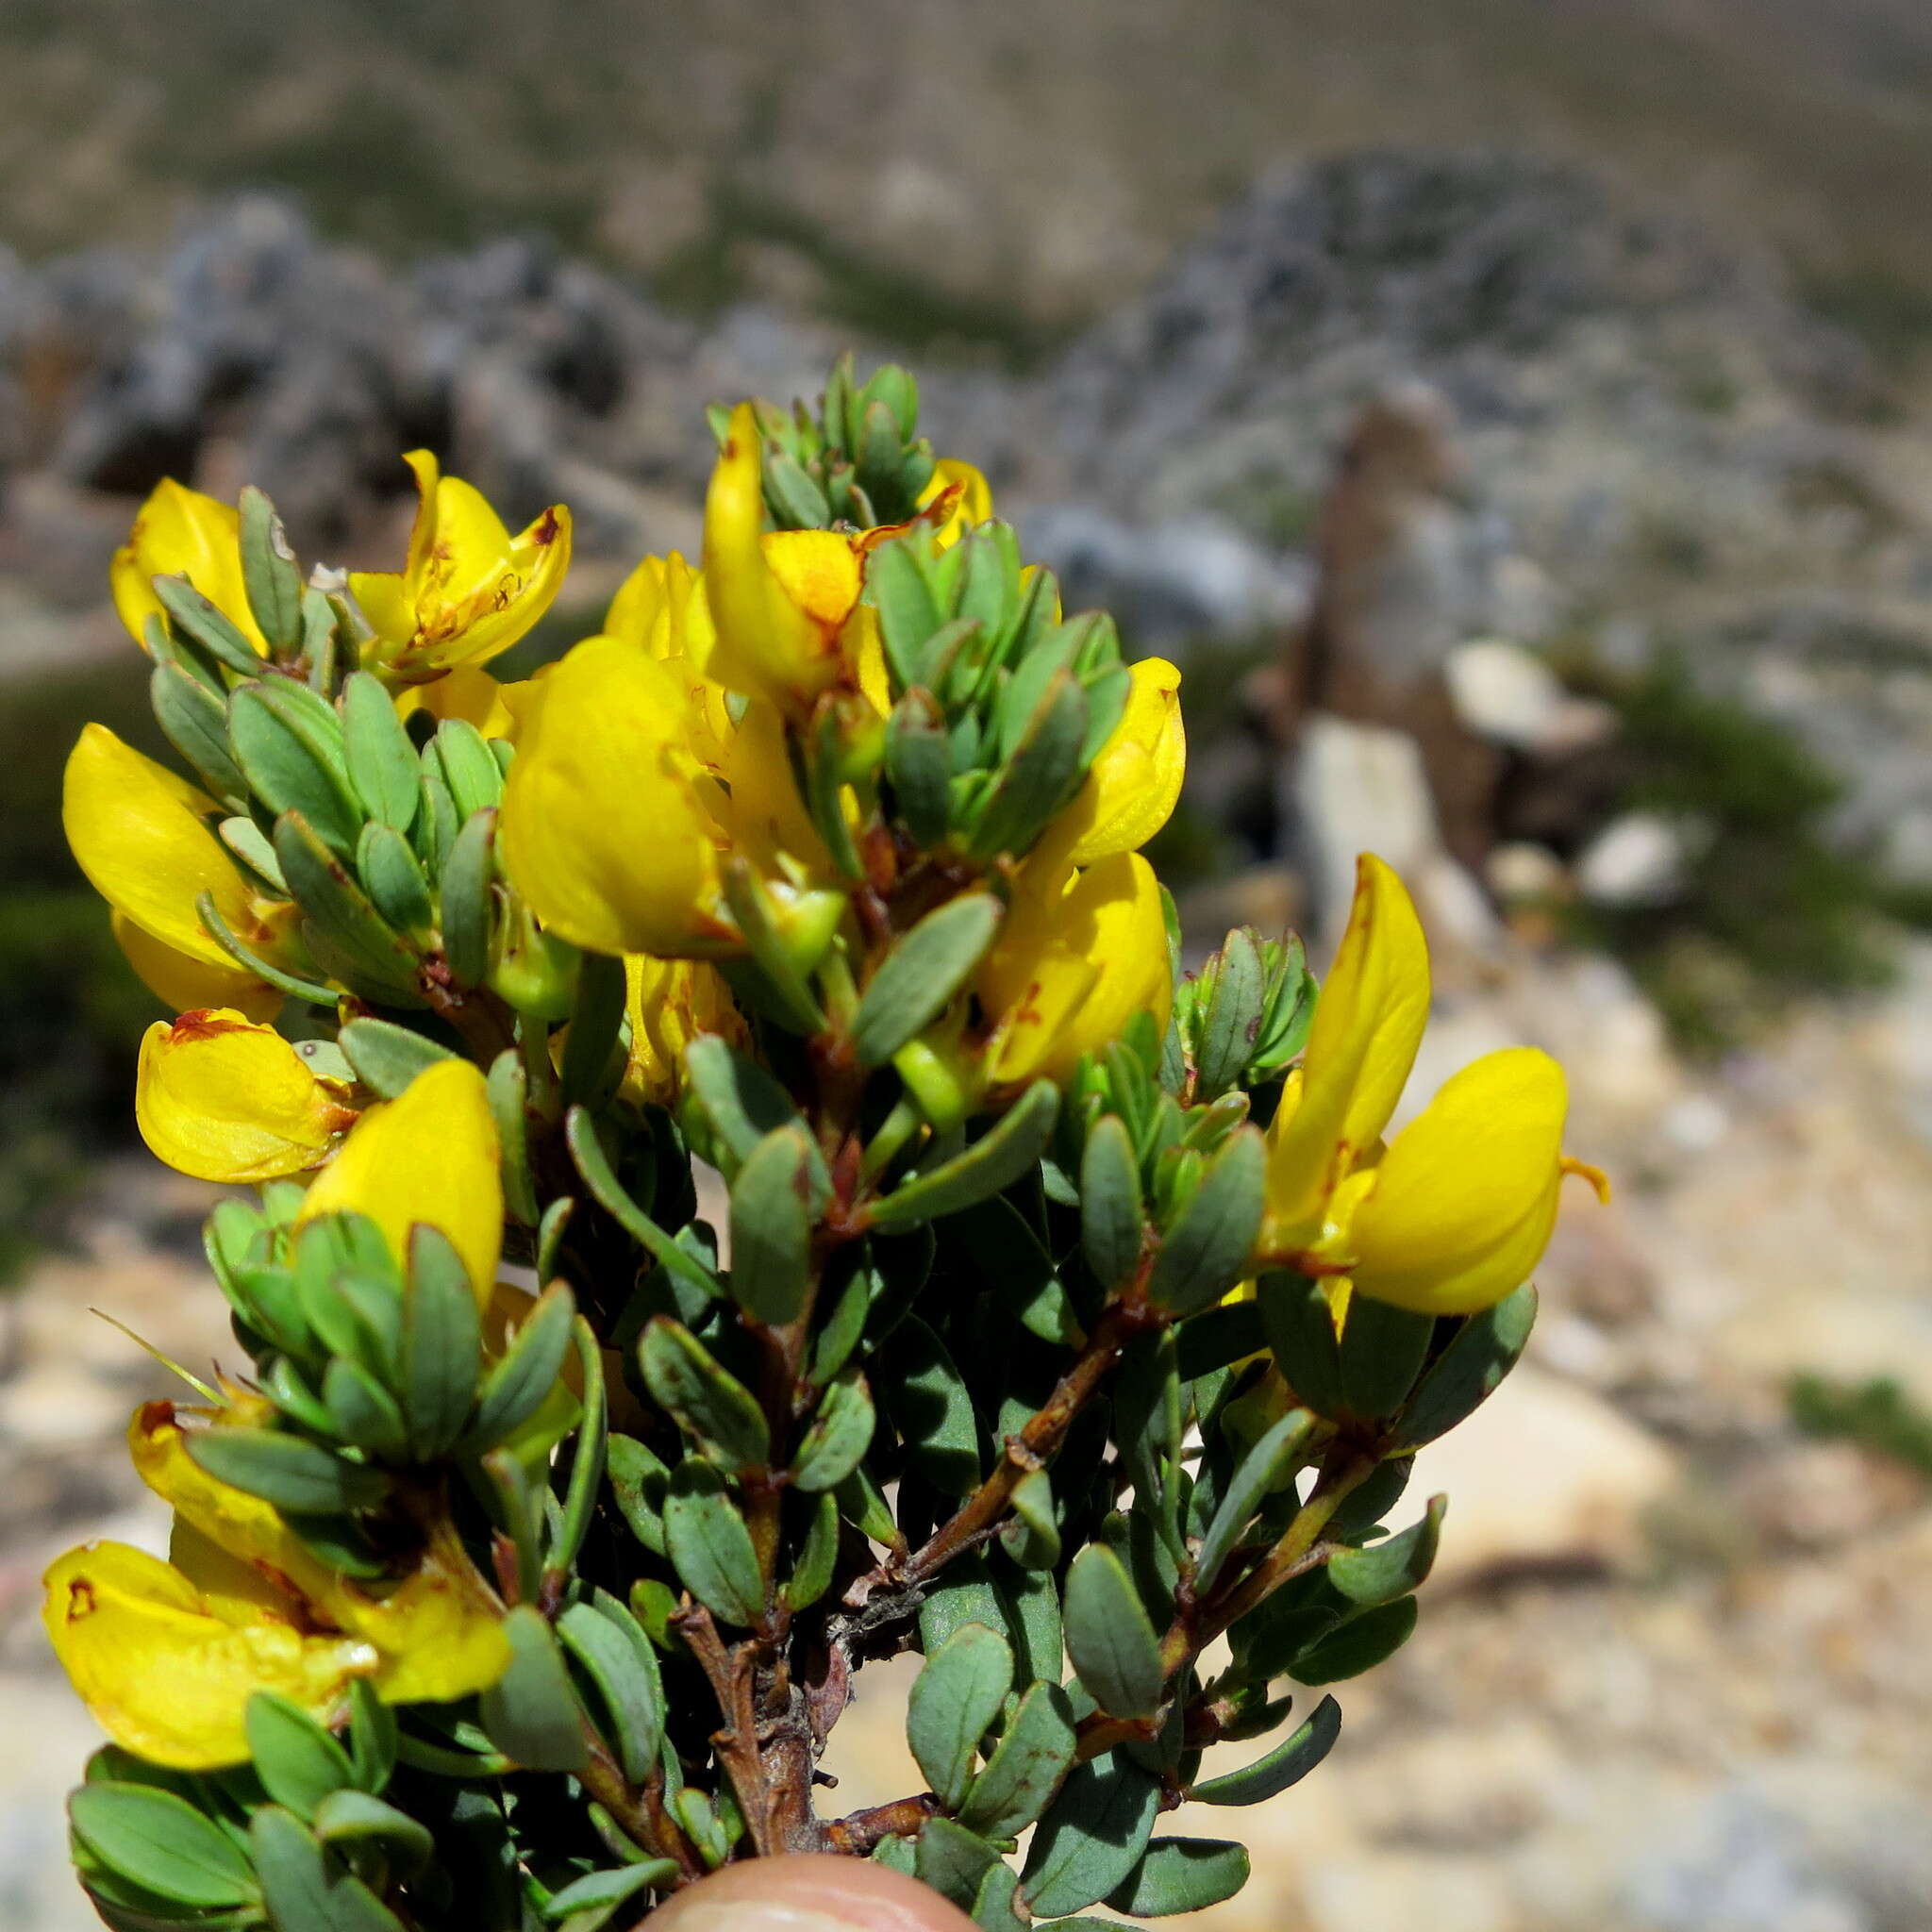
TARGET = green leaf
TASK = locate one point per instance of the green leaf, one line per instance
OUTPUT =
(1261, 1473)
(839, 1437)
(353, 1818)
(527, 1372)
(1110, 1638)
(1149, 1413)
(1032, 1599)
(897, 1853)
(392, 876)
(995, 1905)
(638, 1482)
(1207, 1250)
(743, 1102)
(381, 760)
(591, 1047)
(1009, 1255)
(308, 1887)
(964, 1592)
(580, 1131)
(1182, 1875)
(271, 577)
(709, 1402)
(363, 1413)
(441, 1344)
(1383, 1348)
(920, 767)
(927, 1400)
(289, 744)
(469, 767)
(195, 722)
(465, 912)
(952, 1861)
(1033, 1537)
(1111, 1212)
(1357, 1645)
(198, 619)
(531, 1713)
(812, 1575)
(1394, 1568)
(1299, 1322)
(1219, 1337)
(993, 1162)
(353, 937)
(954, 1702)
(1468, 1372)
(909, 613)
(775, 1198)
(620, 1663)
(601, 1890)
(922, 973)
(301, 1477)
(1034, 1755)
(509, 1088)
(1290, 1762)
(1093, 1837)
(1038, 778)
(387, 1057)
(1233, 1016)
(161, 1842)
(372, 1737)
(710, 1545)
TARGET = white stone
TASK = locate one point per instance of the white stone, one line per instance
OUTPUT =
(1510, 697)
(1521, 871)
(1636, 859)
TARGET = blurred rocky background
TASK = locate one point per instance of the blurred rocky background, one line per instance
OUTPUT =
(1514, 419)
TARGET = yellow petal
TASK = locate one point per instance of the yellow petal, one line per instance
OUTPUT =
(468, 692)
(179, 532)
(1071, 969)
(1134, 783)
(428, 1156)
(1367, 1025)
(970, 501)
(468, 589)
(670, 1003)
(1459, 1210)
(138, 834)
(226, 1101)
(184, 983)
(167, 1678)
(768, 643)
(603, 832)
(436, 1634)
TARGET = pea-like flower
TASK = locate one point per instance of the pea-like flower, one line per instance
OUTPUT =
(670, 1002)
(1134, 783)
(223, 1100)
(1074, 963)
(166, 1654)
(468, 591)
(179, 532)
(142, 838)
(1456, 1211)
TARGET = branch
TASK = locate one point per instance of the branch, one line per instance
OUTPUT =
(863, 1830)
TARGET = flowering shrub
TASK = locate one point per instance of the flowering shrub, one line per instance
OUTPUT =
(1067, 1314)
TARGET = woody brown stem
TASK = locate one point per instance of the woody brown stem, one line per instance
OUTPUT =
(864, 1830)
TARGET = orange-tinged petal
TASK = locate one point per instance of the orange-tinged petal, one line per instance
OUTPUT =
(225, 1100)
(970, 500)
(1071, 969)
(169, 1680)
(140, 835)
(1459, 1209)
(432, 1155)
(184, 982)
(766, 643)
(179, 532)
(670, 1003)
(1367, 1025)
(603, 832)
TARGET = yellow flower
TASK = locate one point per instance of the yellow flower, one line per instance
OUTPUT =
(1133, 785)
(166, 1654)
(956, 498)
(1456, 1211)
(780, 603)
(468, 692)
(179, 532)
(468, 589)
(430, 1155)
(604, 832)
(670, 1003)
(141, 837)
(1072, 966)
(226, 1101)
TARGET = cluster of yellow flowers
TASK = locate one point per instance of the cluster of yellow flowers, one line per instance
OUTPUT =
(692, 791)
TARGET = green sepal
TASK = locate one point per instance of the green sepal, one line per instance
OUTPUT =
(1299, 1322)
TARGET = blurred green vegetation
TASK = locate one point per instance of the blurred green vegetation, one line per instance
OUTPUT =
(1880, 1415)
